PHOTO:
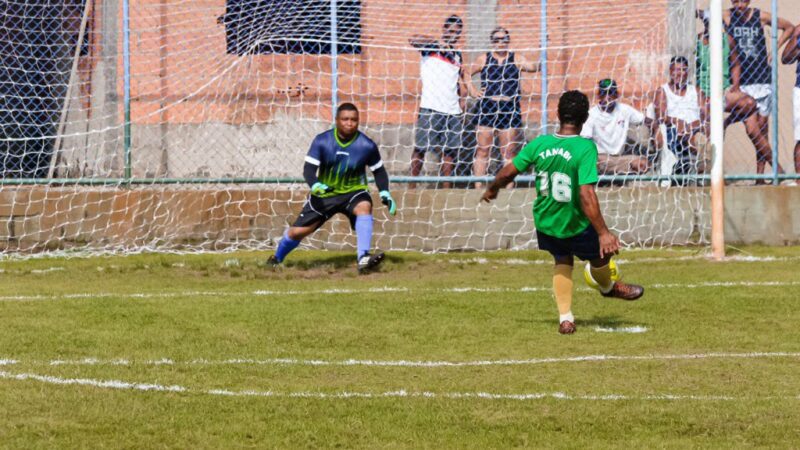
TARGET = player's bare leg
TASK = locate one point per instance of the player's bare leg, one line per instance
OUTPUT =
(508, 144)
(447, 170)
(366, 261)
(797, 157)
(740, 106)
(480, 164)
(562, 291)
(601, 276)
(417, 161)
(757, 128)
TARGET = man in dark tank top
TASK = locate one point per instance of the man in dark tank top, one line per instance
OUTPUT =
(746, 27)
(499, 113)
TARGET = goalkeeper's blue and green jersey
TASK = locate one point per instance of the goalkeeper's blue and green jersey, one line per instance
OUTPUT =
(342, 165)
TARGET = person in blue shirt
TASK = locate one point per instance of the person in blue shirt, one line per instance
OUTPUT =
(335, 169)
(791, 55)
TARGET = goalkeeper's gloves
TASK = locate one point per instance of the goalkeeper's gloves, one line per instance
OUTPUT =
(386, 199)
(320, 188)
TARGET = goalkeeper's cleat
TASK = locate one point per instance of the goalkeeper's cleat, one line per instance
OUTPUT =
(273, 262)
(368, 262)
(566, 327)
(624, 291)
(616, 275)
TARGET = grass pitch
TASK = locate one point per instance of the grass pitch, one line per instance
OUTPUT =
(434, 351)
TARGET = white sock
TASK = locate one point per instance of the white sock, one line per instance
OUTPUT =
(567, 317)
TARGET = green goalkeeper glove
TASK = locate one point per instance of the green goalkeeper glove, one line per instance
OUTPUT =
(320, 188)
(386, 199)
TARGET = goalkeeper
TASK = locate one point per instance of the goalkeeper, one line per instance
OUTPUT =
(566, 211)
(335, 170)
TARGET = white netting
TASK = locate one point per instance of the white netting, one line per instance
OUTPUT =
(226, 97)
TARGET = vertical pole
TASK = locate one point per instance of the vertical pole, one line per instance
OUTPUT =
(774, 113)
(717, 131)
(543, 63)
(126, 63)
(334, 62)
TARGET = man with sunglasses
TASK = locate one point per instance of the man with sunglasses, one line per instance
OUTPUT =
(499, 112)
(608, 125)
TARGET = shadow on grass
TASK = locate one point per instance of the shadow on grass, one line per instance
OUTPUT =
(335, 262)
(600, 321)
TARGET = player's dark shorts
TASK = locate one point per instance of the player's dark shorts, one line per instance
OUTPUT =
(438, 132)
(502, 115)
(319, 209)
(585, 245)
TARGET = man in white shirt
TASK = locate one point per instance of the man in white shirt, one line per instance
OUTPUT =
(683, 108)
(608, 126)
(439, 124)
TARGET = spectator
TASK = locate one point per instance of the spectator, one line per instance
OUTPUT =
(608, 126)
(791, 54)
(499, 107)
(439, 125)
(746, 26)
(737, 103)
(683, 108)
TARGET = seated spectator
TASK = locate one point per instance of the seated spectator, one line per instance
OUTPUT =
(683, 108)
(608, 126)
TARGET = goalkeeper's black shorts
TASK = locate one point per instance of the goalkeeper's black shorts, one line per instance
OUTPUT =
(585, 245)
(318, 209)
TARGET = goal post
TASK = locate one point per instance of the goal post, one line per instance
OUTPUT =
(193, 132)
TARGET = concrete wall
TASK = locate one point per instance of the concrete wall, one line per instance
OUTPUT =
(38, 218)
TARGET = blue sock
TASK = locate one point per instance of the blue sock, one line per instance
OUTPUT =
(363, 234)
(286, 246)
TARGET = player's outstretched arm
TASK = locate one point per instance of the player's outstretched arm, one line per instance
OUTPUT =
(609, 244)
(503, 178)
(791, 53)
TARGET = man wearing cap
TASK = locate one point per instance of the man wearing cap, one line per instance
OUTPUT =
(608, 126)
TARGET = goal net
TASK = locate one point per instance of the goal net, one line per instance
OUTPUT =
(182, 125)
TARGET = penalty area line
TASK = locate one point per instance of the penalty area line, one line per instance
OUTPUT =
(373, 290)
(346, 395)
(400, 363)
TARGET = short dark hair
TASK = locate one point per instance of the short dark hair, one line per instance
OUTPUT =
(345, 107)
(454, 20)
(499, 30)
(573, 108)
(679, 60)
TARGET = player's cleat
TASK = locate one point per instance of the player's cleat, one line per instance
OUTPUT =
(368, 262)
(273, 262)
(624, 291)
(566, 327)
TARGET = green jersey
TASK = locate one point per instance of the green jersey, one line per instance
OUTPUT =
(704, 65)
(562, 164)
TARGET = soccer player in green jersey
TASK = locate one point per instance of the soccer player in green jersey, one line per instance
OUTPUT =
(566, 210)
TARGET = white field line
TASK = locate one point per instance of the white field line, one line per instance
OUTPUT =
(476, 260)
(402, 393)
(374, 290)
(547, 262)
(400, 363)
(636, 329)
